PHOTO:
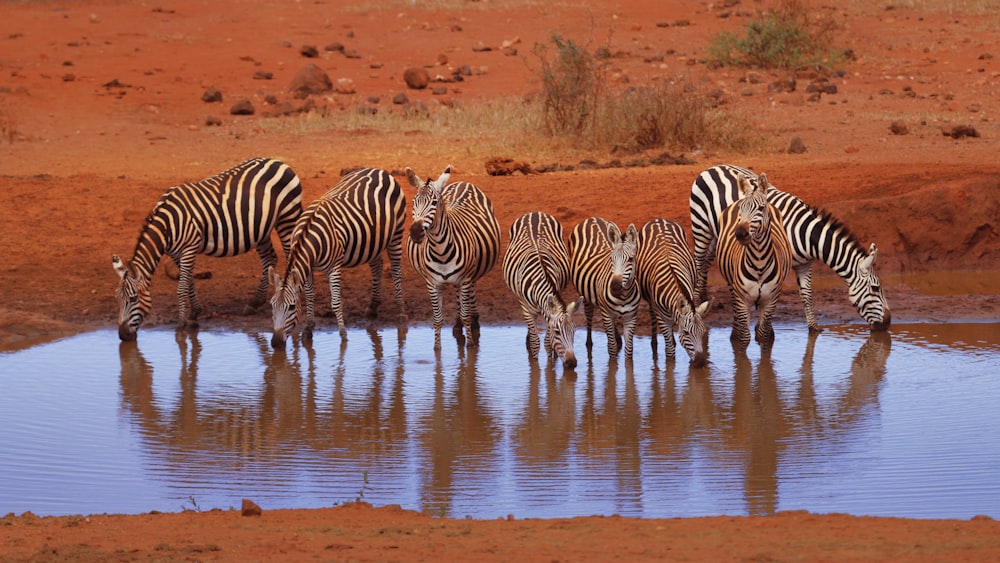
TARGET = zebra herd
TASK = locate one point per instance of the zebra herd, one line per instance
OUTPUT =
(757, 232)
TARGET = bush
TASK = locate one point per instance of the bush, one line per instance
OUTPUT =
(783, 38)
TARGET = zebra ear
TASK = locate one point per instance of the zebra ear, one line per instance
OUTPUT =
(614, 234)
(632, 234)
(744, 184)
(275, 278)
(119, 266)
(704, 308)
(868, 262)
(572, 307)
(442, 179)
(762, 182)
(553, 305)
(413, 178)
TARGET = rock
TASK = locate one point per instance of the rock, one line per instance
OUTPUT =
(898, 128)
(211, 95)
(416, 78)
(250, 508)
(796, 146)
(213, 121)
(345, 86)
(262, 75)
(400, 99)
(959, 131)
(310, 80)
(242, 107)
(309, 51)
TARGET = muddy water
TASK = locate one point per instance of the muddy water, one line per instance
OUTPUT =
(900, 425)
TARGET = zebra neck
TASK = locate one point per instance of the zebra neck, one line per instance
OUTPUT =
(149, 249)
(844, 260)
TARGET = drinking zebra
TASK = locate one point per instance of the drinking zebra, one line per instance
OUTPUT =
(666, 274)
(454, 240)
(353, 223)
(814, 235)
(536, 269)
(754, 258)
(602, 264)
(225, 215)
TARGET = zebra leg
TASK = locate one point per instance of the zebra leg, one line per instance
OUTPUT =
(396, 271)
(310, 294)
(653, 330)
(376, 268)
(186, 293)
(741, 320)
(703, 258)
(669, 345)
(803, 276)
(437, 319)
(765, 330)
(532, 341)
(268, 259)
(468, 312)
(628, 328)
(612, 331)
(335, 303)
(588, 312)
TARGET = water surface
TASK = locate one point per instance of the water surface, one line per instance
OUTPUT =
(901, 425)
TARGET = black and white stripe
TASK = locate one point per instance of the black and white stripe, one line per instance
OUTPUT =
(814, 235)
(602, 265)
(225, 215)
(454, 240)
(754, 258)
(666, 274)
(536, 269)
(352, 224)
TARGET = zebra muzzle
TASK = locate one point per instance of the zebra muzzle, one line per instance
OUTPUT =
(417, 232)
(742, 233)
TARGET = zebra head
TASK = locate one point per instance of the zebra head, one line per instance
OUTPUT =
(693, 333)
(425, 203)
(623, 250)
(865, 293)
(559, 328)
(134, 301)
(284, 305)
(753, 218)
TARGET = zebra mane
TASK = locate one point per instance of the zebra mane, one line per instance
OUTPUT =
(683, 287)
(837, 226)
(547, 266)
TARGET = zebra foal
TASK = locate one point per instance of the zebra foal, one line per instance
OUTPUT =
(666, 275)
(224, 215)
(602, 265)
(814, 235)
(454, 240)
(353, 223)
(754, 258)
(536, 270)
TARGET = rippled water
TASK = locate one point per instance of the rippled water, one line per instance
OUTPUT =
(900, 425)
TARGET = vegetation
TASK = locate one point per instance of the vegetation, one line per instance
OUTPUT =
(784, 37)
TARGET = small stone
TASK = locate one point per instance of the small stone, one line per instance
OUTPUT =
(796, 146)
(242, 107)
(211, 95)
(250, 508)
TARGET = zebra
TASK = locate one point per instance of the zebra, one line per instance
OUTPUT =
(814, 235)
(224, 215)
(454, 240)
(536, 270)
(665, 273)
(353, 223)
(754, 258)
(602, 265)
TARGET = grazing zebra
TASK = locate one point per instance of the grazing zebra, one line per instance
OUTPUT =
(355, 221)
(814, 235)
(602, 263)
(536, 269)
(454, 240)
(225, 215)
(754, 258)
(665, 273)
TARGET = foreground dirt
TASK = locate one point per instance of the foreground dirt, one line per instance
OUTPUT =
(101, 110)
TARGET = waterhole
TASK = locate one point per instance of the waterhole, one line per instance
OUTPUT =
(902, 424)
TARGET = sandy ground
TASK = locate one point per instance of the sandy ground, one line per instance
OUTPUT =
(101, 110)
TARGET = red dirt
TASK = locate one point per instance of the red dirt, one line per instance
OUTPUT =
(101, 110)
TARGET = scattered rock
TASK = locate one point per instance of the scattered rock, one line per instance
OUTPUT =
(310, 80)
(345, 86)
(336, 47)
(309, 51)
(211, 95)
(213, 121)
(400, 99)
(262, 75)
(250, 508)
(416, 78)
(899, 128)
(796, 146)
(786, 84)
(503, 166)
(960, 131)
(242, 107)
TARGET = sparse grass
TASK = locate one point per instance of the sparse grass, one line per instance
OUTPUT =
(786, 36)
(442, 5)
(950, 6)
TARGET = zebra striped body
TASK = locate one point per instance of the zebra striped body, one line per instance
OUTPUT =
(351, 224)
(602, 265)
(666, 275)
(754, 258)
(814, 235)
(454, 240)
(536, 270)
(225, 215)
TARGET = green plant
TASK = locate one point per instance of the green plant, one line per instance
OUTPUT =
(783, 38)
